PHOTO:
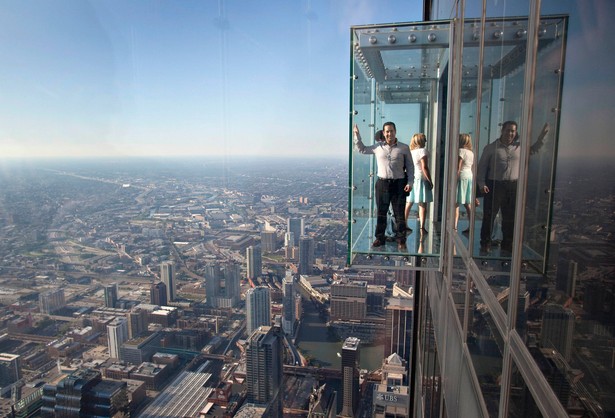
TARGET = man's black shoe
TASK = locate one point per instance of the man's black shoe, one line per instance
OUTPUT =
(377, 243)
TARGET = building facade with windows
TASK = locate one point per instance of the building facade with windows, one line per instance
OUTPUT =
(258, 308)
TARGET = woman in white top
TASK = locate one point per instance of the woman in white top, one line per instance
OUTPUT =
(422, 189)
(465, 177)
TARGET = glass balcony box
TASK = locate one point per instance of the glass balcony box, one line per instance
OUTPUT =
(427, 79)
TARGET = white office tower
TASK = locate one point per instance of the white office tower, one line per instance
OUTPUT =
(306, 255)
(254, 262)
(288, 304)
(289, 239)
(258, 308)
(166, 277)
(117, 334)
(391, 397)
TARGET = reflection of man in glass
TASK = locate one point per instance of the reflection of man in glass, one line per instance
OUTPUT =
(392, 159)
(498, 172)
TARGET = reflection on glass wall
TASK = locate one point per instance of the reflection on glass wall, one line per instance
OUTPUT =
(559, 287)
(486, 348)
(431, 382)
(522, 403)
(491, 111)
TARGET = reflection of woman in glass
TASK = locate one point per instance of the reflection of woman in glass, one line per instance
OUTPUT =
(422, 189)
(464, 177)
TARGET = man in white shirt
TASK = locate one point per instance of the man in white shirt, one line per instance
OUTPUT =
(392, 160)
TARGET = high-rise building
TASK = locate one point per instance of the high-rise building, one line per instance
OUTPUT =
(10, 368)
(330, 248)
(222, 284)
(399, 325)
(269, 241)
(323, 402)
(111, 292)
(348, 300)
(166, 276)
(51, 301)
(288, 304)
(566, 278)
(595, 296)
(404, 277)
(84, 393)
(213, 277)
(258, 308)
(558, 329)
(158, 294)
(306, 255)
(254, 262)
(350, 376)
(117, 333)
(295, 225)
(137, 322)
(264, 371)
(391, 397)
(289, 239)
(232, 285)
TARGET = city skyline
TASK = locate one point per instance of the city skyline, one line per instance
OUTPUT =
(227, 78)
(80, 229)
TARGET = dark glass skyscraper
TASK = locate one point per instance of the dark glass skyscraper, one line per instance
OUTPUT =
(264, 372)
(158, 294)
(111, 295)
(83, 393)
(350, 376)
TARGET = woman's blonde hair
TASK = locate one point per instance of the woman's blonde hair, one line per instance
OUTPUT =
(418, 141)
(465, 141)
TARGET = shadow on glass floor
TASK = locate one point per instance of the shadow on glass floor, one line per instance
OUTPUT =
(427, 247)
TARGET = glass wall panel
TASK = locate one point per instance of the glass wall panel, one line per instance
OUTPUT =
(459, 290)
(399, 74)
(543, 155)
(453, 363)
(431, 379)
(496, 145)
(469, 402)
(486, 348)
(521, 403)
(489, 97)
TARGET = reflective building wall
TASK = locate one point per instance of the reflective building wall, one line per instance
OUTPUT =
(511, 308)
(529, 358)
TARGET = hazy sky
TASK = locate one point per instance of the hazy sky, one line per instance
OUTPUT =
(192, 77)
(179, 77)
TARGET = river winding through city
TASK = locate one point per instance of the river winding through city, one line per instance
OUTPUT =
(317, 343)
